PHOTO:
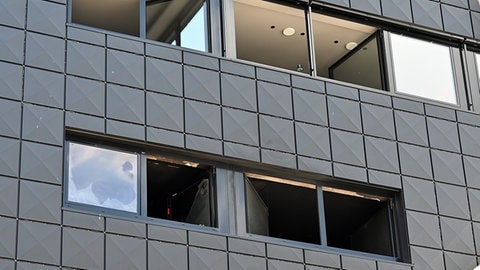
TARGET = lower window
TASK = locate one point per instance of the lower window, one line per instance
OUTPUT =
(111, 180)
(338, 218)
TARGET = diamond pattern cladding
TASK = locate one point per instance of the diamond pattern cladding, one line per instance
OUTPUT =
(10, 116)
(125, 253)
(86, 60)
(11, 44)
(40, 202)
(39, 242)
(163, 76)
(83, 249)
(46, 17)
(42, 124)
(168, 256)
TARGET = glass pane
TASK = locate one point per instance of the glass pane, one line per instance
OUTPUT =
(422, 69)
(271, 34)
(113, 15)
(102, 177)
(178, 22)
(337, 55)
(361, 66)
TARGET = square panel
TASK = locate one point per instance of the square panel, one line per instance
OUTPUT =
(11, 80)
(443, 134)
(427, 13)
(457, 20)
(44, 87)
(452, 201)
(164, 76)
(312, 141)
(415, 161)
(240, 126)
(167, 256)
(423, 229)
(419, 195)
(203, 119)
(11, 44)
(42, 124)
(378, 121)
(39, 242)
(455, 260)
(125, 252)
(470, 139)
(82, 249)
(344, 114)
(347, 147)
(46, 17)
(85, 96)
(10, 117)
(45, 52)
(411, 128)
(124, 103)
(397, 9)
(125, 68)
(275, 99)
(381, 154)
(310, 107)
(12, 12)
(474, 201)
(10, 157)
(165, 111)
(202, 84)
(428, 259)
(239, 92)
(472, 171)
(86, 60)
(41, 162)
(41, 202)
(457, 235)
(277, 134)
(448, 167)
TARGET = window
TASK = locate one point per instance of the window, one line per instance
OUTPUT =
(177, 22)
(176, 190)
(423, 69)
(332, 217)
(102, 177)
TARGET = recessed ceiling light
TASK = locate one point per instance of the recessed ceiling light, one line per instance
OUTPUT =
(289, 31)
(351, 45)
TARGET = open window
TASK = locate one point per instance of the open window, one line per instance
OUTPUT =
(357, 221)
(180, 191)
(102, 177)
(328, 216)
(282, 209)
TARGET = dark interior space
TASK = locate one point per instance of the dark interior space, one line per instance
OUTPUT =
(357, 223)
(179, 192)
(292, 211)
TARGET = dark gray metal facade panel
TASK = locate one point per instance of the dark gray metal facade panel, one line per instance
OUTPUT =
(427, 13)
(166, 234)
(42, 163)
(83, 249)
(40, 202)
(10, 158)
(244, 262)
(85, 96)
(206, 259)
(164, 111)
(353, 263)
(167, 256)
(378, 121)
(84, 221)
(11, 80)
(205, 240)
(125, 68)
(125, 104)
(246, 247)
(274, 99)
(12, 12)
(239, 92)
(164, 76)
(11, 44)
(39, 242)
(397, 9)
(86, 60)
(460, 261)
(322, 259)
(124, 44)
(8, 232)
(46, 17)
(8, 196)
(381, 154)
(419, 195)
(119, 226)
(202, 84)
(44, 88)
(457, 235)
(312, 141)
(310, 107)
(44, 51)
(125, 252)
(240, 126)
(344, 114)
(10, 118)
(423, 229)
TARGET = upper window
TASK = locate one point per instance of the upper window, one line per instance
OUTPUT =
(176, 190)
(178, 22)
(422, 69)
(333, 217)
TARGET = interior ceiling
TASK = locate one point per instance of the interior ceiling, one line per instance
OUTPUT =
(257, 41)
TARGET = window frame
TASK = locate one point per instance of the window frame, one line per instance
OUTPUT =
(396, 216)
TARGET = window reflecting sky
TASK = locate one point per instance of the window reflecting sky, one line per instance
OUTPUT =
(102, 177)
(423, 69)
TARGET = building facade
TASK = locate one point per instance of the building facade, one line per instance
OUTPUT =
(240, 134)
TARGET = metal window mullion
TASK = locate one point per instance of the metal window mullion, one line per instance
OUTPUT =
(310, 40)
(321, 216)
(143, 18)
(142, 196)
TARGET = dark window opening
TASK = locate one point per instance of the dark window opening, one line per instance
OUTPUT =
(180, 192)
(282, 210)
(358, 222)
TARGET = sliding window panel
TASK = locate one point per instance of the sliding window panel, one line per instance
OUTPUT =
(425, 69)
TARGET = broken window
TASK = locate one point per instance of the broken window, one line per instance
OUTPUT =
(102, 177)
(332, 217)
